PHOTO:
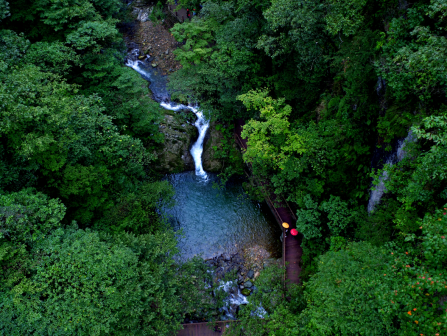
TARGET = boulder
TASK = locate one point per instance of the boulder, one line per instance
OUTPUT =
(213, 139)
(226, 257)
(141, 13)
(251, 274)
(248, 284)
(173, 154)
(245, 292)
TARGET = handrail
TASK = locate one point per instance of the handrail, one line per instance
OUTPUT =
(241, 144)
(272, 206)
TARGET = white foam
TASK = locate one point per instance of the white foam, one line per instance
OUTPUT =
(201, 123)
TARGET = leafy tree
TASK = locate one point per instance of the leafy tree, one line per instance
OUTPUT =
(343, 295)
(4, 10)
(27, 216)
(267, 312)
(83, 284)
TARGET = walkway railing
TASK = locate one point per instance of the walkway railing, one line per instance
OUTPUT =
(291, 255)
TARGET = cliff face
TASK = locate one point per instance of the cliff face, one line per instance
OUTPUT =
(173, 155)
(209, 160)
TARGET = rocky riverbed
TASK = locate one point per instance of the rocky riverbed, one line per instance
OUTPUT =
(236, 274)
(152, 44)
(247, 266)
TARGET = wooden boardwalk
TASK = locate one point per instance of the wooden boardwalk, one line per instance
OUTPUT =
(292, 250)
(202, 329)
(180, 14)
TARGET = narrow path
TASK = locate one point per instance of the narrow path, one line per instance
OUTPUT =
(292, 250)
(181, 14)
(202, 329)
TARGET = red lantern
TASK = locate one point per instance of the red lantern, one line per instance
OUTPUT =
(294, 232)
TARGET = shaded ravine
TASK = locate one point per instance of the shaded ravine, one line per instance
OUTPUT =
(213, 221)
(161, 95)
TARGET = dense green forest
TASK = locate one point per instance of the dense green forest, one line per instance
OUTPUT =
(323, 86)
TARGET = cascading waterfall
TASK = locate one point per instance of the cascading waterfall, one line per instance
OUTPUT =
(202, 125)
(200, 202)
(234, 299)
(162, 96)
(197, 148)
(394, 157)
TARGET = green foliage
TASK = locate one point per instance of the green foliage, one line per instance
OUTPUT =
(342, 296)
(196, 48)
(125, 96)
(157, 13)
(277, 316)
(26, 216)
(344, 16)
(136, 211)
(84, 283)
(69, 137)
(4, 10)
(227, 152)
(91, 35)
(414, 55)
(53, 57)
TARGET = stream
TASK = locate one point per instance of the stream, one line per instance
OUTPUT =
(214, 222)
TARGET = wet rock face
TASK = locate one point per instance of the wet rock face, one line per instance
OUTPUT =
(142, 14)
(213, 139)
(174, 155)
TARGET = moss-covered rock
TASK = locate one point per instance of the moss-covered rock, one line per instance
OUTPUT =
(245, 292)
(173, 155)
(213, 139)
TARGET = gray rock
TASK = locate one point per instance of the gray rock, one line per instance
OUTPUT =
(167, 52)
(245, 292)
(212, 140)
(226, 257)
(248, 284)
(251, 274)
(173, 155)
(142, 13)
(154, 65)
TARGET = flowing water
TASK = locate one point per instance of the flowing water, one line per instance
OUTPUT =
(213, 220)
(216, 221)
(394, 157)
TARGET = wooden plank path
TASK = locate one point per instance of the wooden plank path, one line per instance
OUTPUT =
(292, 250)
(180, 14)
(203, 329)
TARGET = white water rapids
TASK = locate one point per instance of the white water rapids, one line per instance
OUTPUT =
(201, 123)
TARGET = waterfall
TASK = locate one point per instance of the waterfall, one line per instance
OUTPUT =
(158, 87)
(233, 300)
(202, 125)
(396, 156)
